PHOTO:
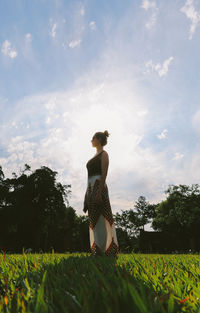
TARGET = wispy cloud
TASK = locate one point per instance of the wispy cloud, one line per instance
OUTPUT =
(62, 123)
(146, 4)
(192, 14)
(53, 30)
(178, 156)
(72, 27)
(161, 69)
(8, 50)
(75, 43)
(92, 25)
(28, 37)
(58, 123)
(163, 134)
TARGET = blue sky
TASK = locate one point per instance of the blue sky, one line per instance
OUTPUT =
(71, 68)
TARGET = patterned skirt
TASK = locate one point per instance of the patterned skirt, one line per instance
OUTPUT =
(102, 232)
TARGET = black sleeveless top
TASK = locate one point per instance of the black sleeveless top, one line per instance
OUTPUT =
(94, 165)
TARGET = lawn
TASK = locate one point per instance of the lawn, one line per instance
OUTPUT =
(142, 283)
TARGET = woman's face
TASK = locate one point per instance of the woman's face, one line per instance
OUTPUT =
(95, 141)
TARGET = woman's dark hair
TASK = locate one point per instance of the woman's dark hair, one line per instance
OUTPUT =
(102, 137)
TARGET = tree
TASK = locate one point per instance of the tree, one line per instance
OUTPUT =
(180, 212)
(32, 208)
(126, 230)
(124, 222)
(143, 213)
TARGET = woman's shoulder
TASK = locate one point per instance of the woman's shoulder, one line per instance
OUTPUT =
(105, 152)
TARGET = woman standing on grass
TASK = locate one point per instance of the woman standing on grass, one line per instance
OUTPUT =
(103, 239)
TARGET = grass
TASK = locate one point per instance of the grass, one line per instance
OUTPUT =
(139, 283)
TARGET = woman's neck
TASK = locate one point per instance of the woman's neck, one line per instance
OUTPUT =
(99, 150)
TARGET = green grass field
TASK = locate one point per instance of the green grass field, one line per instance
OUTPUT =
(78, 283)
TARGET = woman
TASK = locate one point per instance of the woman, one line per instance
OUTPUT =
(103, 239)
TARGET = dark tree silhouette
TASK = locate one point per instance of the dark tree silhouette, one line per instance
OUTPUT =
(180, 212)
(33, 209)
(142, 212)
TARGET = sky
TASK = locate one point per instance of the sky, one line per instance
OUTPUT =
(71, 68)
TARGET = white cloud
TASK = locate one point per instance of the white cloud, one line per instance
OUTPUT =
(71, 35)
(74, 43)
(92, 25)
(48, 120)
(161, 69)
(59, 136)
(192, 15)
(146, 4)
(53, 30)
(151, 21)
(61, 125)
(178, 156)
(163, 134)
(8, 50)
(28, 37)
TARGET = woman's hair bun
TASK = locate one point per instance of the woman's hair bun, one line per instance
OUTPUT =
(106, 133)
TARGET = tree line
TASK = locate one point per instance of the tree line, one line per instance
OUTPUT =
(35, 214)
